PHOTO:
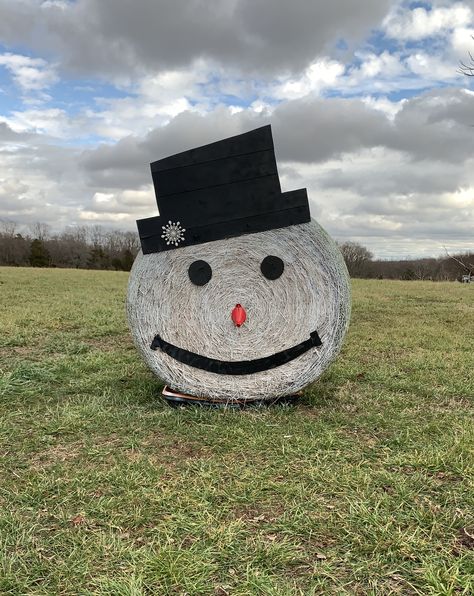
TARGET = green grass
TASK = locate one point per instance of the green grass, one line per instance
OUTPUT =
(365, 487)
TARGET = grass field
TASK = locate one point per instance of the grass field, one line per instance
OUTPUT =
(365, 487)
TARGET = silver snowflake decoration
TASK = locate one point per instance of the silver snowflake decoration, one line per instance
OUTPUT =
(173, 233)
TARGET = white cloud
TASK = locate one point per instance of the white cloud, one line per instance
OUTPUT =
(376, 72)
(261, 107)
(51, 121)
(384, 105)
(373, 65)
(152, 100)
(398, 71)
(12, 188)
(321, 74)
(462, 198)
(102, 217)
(420, 23)
(462, 41)
(136, 201)
(31, 74)
(431, 68)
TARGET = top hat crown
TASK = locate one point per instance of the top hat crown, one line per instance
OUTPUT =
(220, 190)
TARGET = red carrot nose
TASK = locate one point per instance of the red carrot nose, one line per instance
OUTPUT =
(238, 315)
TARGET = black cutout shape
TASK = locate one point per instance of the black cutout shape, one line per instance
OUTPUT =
(222, 190)
(238, 367)
(272, 267)
(200, 273)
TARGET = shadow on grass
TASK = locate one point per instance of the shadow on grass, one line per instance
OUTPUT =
(145, 390)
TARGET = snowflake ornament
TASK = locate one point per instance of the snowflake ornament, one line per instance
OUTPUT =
(173, 233)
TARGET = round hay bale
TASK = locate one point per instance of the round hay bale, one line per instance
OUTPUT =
(311, 293)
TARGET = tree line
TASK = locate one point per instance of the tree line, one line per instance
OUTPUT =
(451, 267)
(93, 247)
(82, 247)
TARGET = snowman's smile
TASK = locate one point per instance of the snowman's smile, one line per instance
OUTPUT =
(238, 367)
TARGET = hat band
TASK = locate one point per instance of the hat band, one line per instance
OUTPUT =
(158, 235)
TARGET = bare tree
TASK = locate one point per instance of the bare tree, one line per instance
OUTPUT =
(13, 247)
(8, 228)
(356, 257)
(131, 242)
(40, 231)
(467, 68)
(76, 233)
(97, 235)
(461, 260)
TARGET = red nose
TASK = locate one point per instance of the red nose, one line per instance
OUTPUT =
(238, 315)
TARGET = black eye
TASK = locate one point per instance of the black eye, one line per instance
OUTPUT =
(200, 273)
(272, 267)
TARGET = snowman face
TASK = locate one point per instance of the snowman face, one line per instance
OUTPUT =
(241, 318)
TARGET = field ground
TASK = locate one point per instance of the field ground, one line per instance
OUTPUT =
(365, 487)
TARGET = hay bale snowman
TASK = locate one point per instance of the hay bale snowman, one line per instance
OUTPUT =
(237, 295)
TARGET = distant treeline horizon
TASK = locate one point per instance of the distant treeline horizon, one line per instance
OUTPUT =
(81, 247)
(452, 267)
(94, 247)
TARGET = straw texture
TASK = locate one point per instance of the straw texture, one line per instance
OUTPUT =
(313, 293)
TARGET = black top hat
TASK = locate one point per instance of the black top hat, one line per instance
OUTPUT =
(217, 191)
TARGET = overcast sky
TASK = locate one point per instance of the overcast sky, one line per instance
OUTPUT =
(367, 107)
